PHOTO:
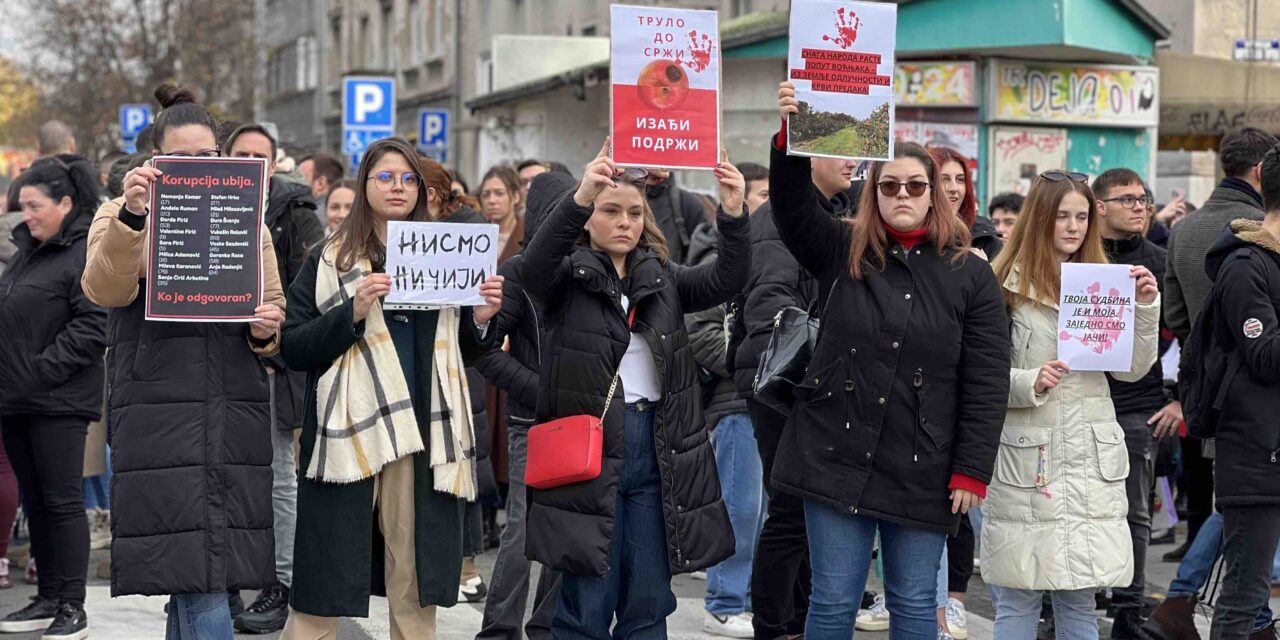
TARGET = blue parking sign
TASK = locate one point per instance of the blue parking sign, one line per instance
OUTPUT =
(433, 128)
(369, 103)
(133, 118)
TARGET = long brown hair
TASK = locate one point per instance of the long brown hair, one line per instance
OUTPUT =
(870, 242)
(651, 237)
(1030, 246)
(435, 176)
(358, 236)
(969, 203)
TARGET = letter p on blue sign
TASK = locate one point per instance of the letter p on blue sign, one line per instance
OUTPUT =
(368, 103)
(133, 118)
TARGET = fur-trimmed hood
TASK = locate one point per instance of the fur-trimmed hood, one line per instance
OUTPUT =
(1240, 234)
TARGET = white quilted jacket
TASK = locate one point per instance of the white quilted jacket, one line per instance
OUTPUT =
(1055, 515)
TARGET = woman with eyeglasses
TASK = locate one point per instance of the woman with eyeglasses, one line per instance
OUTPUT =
(615, 306)
(897, 420)
(387, 450)
(189, 410)
(1055, 516)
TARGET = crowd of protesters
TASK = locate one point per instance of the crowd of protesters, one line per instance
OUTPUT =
(934, 432)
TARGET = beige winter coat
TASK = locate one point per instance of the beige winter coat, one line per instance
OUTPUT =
(1055, 515)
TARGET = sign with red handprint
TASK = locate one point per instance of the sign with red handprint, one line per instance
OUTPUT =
(665, 74)
(1095, 317)
(840, 58)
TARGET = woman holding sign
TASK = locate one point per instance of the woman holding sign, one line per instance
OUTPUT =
(1055, 517)
(615, 310)
(387, 449)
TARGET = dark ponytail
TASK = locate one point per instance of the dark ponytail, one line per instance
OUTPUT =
(178, 108)
(58, 180)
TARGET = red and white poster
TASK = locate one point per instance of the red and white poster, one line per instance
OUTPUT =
(665, 72)
(840, 57)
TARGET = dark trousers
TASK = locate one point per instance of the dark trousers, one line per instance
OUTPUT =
(1198, 483)
(1249, 541)
(637, 590)
(960, 548)
(1138, 487)
(780, 573)
(47, 454)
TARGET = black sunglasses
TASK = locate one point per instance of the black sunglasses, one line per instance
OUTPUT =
(1059, 176)
(891, 188)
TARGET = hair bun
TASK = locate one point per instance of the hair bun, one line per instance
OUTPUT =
(168, 95)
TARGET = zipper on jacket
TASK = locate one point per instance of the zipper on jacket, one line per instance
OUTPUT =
(917, 382)
(537, 326)
(659, 361)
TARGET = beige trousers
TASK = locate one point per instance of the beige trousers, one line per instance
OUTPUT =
(393, 491)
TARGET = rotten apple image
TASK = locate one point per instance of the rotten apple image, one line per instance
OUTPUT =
(663, 84)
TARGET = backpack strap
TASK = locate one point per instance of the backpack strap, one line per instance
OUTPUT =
(677, 209)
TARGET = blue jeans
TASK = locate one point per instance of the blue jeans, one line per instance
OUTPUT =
(840, 550)
(742, 483)
(199, 616)
(1018, 613)
(1193, 572)
(638, 585)
(97, 489)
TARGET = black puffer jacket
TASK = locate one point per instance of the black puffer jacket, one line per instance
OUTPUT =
(1245, 268)
(710, 346)
(985, 238)
(678, 213)
(521, 319)
(54, 337)
(570, 528)
(1146, 395)
(777, 281)
(910, 379)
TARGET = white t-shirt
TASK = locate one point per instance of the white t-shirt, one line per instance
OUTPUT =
(638, 373)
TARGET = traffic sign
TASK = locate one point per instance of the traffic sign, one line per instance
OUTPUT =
(130, 145)
(133, 118)
(433, 134)
(369, 103)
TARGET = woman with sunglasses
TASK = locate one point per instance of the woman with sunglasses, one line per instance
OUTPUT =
(1055, 516)
(380, 508)
(615, 308)
(897, 420)
(190, 412)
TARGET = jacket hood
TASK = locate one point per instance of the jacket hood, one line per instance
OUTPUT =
(703, 245)
(983, 228)
(1241, 234)
(544, 193)
(282, 194)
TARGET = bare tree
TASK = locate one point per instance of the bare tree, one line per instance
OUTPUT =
(90, 56)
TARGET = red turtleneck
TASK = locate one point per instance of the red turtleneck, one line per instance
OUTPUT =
(908, 239)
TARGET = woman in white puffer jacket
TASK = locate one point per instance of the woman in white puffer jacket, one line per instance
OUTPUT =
(1055, 515)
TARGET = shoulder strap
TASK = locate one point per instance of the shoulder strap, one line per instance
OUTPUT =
(613, 386)
(677, 209)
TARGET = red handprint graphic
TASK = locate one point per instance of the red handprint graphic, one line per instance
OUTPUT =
(846, 29)
(700, 48)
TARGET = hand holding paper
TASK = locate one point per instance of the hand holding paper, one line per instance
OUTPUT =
(372, 287)
(787, 104)
(491, 290)
(267, 320)
(1147, 288)
(598, 175)
(1051, 376)
(733, 188)
(137, 188)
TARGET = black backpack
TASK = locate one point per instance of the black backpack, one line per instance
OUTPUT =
(1208, 365)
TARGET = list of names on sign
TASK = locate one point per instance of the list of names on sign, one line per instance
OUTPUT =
(205, 257)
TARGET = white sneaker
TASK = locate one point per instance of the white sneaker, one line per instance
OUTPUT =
(943, 635)
(699, 575)
(957, 619)
(874, 619)
(737, 625)
(473, 590)
(99, 528)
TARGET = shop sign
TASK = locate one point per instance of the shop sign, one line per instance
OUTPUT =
(1217, 119)
(1057, 93)
(935, 84)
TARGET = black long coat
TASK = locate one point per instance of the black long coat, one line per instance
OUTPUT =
(910, 379)
(570, 528)
(338, 551)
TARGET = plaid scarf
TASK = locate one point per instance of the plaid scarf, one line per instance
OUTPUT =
(364, 407)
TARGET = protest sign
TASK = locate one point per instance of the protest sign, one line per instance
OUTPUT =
(204, 259)
(439, 264)
(1095, 317)
(665, 75)
(840, 58)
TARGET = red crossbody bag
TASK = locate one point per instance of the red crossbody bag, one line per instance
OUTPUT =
(569, 450)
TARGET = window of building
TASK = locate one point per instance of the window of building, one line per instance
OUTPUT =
(307, 61)
(417, 32)
(742, 7)
(484, 73)
(388, 58)
(438, 39)
(370, 46)
(336, 49)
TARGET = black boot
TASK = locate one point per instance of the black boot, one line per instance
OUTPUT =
(70, 623)
(1128, 624)
(235, 603)
(36, 616)
(268, 613)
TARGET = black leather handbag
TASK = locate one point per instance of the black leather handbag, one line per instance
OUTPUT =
(791, 346)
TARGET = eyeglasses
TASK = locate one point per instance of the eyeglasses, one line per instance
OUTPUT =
(385, 180)
(1059, 176)
(207, 153)
(1128, 201)
(891, 188)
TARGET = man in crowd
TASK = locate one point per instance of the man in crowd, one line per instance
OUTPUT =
(294, 228)
(527, 170)
(1238, 196)
(323, 173)
(1003, 210)
(1122, 216)
(677, 212)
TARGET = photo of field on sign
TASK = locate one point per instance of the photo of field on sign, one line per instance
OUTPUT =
(840, 59)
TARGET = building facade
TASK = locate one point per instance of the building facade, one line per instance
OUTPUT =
(289, 61)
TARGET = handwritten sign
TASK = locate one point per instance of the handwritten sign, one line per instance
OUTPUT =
(1050, 92)
(840, 57)
(1095, 317)
(439, 264)
(205, 237)
(665, 75)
